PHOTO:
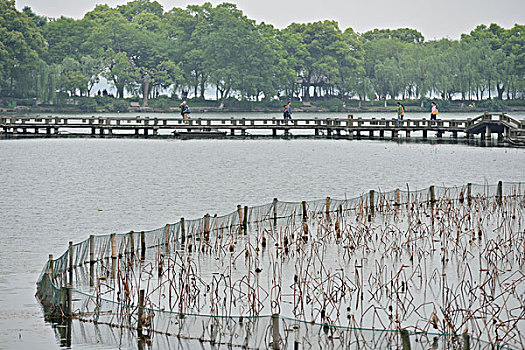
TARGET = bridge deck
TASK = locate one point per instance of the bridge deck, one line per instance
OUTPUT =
(502, 124)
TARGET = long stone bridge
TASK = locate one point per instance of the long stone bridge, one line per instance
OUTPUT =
(503, 127)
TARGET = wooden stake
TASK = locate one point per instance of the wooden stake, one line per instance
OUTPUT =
(499, 197)
(50, 267)
(70, 269)
(245, 220)
(275, 331)
(239, 211)
(182, 231)
(275, 211)
(207, 227)
(91, 249)
(167, 236)
(132, 243)
(372, 203)
(113, 246)
(142, 246)
(140, 311)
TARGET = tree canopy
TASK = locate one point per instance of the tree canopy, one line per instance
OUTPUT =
(142, 49)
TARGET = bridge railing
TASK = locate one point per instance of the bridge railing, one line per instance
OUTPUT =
(173, 122)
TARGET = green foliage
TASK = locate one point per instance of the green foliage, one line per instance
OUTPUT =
(87, 104)
(333, 105)
(139, 48)
(493, 105)
(20, 46)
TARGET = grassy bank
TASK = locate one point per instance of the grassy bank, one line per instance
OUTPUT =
(163, 104)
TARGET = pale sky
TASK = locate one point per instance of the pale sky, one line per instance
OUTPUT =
(435, 20)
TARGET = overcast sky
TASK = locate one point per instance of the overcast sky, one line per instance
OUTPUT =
(434, 19)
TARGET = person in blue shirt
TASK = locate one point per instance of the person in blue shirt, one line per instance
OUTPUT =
(184, 111)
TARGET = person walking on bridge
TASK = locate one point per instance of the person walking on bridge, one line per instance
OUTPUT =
(434, 112)
(400, 112)
(185, 111)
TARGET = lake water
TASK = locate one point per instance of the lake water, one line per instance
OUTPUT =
(56, 190)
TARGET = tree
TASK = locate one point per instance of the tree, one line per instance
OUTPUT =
(20, 46)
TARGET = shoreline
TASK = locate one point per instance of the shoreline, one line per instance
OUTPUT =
(213, 109)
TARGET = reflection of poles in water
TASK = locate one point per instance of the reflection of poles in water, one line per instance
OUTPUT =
(64, 329)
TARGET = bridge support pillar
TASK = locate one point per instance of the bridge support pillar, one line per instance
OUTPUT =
(487, 132)
(408, 134)
(243, 132)
(425, 135)
(500, 137)
(440, 134)
(394, 134)
(381, 134)
(316, 132)
(455, 135)
(232, 132)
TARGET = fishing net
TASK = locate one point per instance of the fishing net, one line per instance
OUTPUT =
(441, 266)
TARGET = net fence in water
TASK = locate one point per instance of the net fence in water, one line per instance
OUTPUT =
(444, 260)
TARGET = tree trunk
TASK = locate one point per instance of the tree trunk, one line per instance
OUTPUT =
(145, 92)
(202, 86)
(501, 89)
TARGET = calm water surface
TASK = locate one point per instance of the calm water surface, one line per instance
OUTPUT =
(56, 190)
